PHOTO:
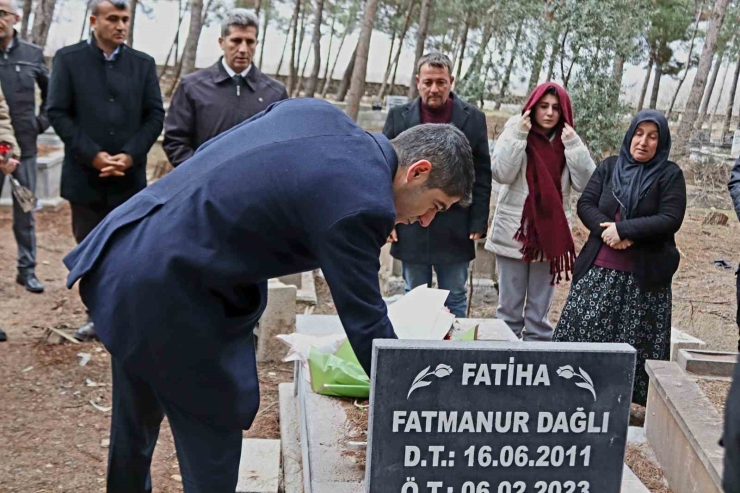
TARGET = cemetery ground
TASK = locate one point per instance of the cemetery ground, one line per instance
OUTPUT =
(54, 417)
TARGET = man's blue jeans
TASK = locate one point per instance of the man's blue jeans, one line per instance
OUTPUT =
(452, 277)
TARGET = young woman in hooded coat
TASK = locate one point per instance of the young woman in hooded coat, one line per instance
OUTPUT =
(538, 159)
(633, 206)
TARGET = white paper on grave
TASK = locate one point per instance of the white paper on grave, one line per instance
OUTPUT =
(421, 314)
(300, 347)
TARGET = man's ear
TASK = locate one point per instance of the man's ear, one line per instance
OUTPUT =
(419, 171)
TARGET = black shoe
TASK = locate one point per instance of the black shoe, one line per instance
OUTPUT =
(30, 282)
(86, 333)
(3, 337)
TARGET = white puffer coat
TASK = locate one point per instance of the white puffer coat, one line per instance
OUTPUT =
(509, 167)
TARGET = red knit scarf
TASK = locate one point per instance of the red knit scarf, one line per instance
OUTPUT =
(544, 231)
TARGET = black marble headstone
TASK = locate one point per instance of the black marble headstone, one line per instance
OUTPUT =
(498, 417)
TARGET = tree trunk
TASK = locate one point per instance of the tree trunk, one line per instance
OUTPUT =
(401, 39)
(257, 8)
(344, 85)
(42, 19)
(710, 45)
(554, 53)
(134, 4)
(302, 38)
(293, 76)
(656, 85)
(463, 45)
(566, 76)
(421, 39)
(618, 73)
(357, 89)
(84, 22)
(265, 24)
(314, 80)
(388, 68)
(299, 86)
(282, 55)
(731, 102)
(510, 66)
(688, 60)
(708, 93)
(539, 57)
(328, 78)
(476, 64)
(191, 45)
(713, 115)
(643, 93)
(332, 32)
(27, 7)
(180, 15)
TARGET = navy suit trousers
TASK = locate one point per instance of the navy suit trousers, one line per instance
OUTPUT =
(208, 456)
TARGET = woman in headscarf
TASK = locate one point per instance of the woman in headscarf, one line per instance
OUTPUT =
(633, 206)
(538, 159)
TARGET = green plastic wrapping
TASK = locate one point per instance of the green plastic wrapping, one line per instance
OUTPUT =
(341, 375)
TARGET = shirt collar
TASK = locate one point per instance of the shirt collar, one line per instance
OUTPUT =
(91, 42)
(13, 41)
(231, 72)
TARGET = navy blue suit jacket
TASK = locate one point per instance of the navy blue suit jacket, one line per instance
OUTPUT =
(175, 278)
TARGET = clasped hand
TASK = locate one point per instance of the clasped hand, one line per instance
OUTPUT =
(610, 236)
(112, 165)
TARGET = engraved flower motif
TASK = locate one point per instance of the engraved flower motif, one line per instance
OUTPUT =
(566, 372)
(443, 371)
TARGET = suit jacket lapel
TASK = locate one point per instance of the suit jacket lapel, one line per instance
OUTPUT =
(412, 114)
(459, 112)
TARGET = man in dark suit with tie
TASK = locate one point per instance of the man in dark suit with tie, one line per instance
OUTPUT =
(176, 278)
(448, 245)
(211, 101)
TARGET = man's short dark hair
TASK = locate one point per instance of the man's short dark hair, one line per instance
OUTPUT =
(119, 4)
(434, 59)
(239, 17)
(448, 150)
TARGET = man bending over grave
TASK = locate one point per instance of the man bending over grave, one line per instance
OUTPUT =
(176, 278)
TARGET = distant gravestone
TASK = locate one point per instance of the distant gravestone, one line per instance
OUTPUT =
(497, 417)
(391, 101)
(735, 151)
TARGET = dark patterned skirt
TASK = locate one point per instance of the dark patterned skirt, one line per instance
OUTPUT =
(608, 306)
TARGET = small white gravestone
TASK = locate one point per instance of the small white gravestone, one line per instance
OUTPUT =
(391, 101)
(735, 152)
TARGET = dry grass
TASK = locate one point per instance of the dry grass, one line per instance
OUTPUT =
(716, 391)
(703, 294)
(267, 422)
(640, 459)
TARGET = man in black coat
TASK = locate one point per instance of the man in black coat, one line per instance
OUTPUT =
(22, 68)
(448, 245)
(176, 278)
(210, 101)
(105, 104)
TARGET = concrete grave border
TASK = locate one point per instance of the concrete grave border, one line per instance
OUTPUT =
(683, 428)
